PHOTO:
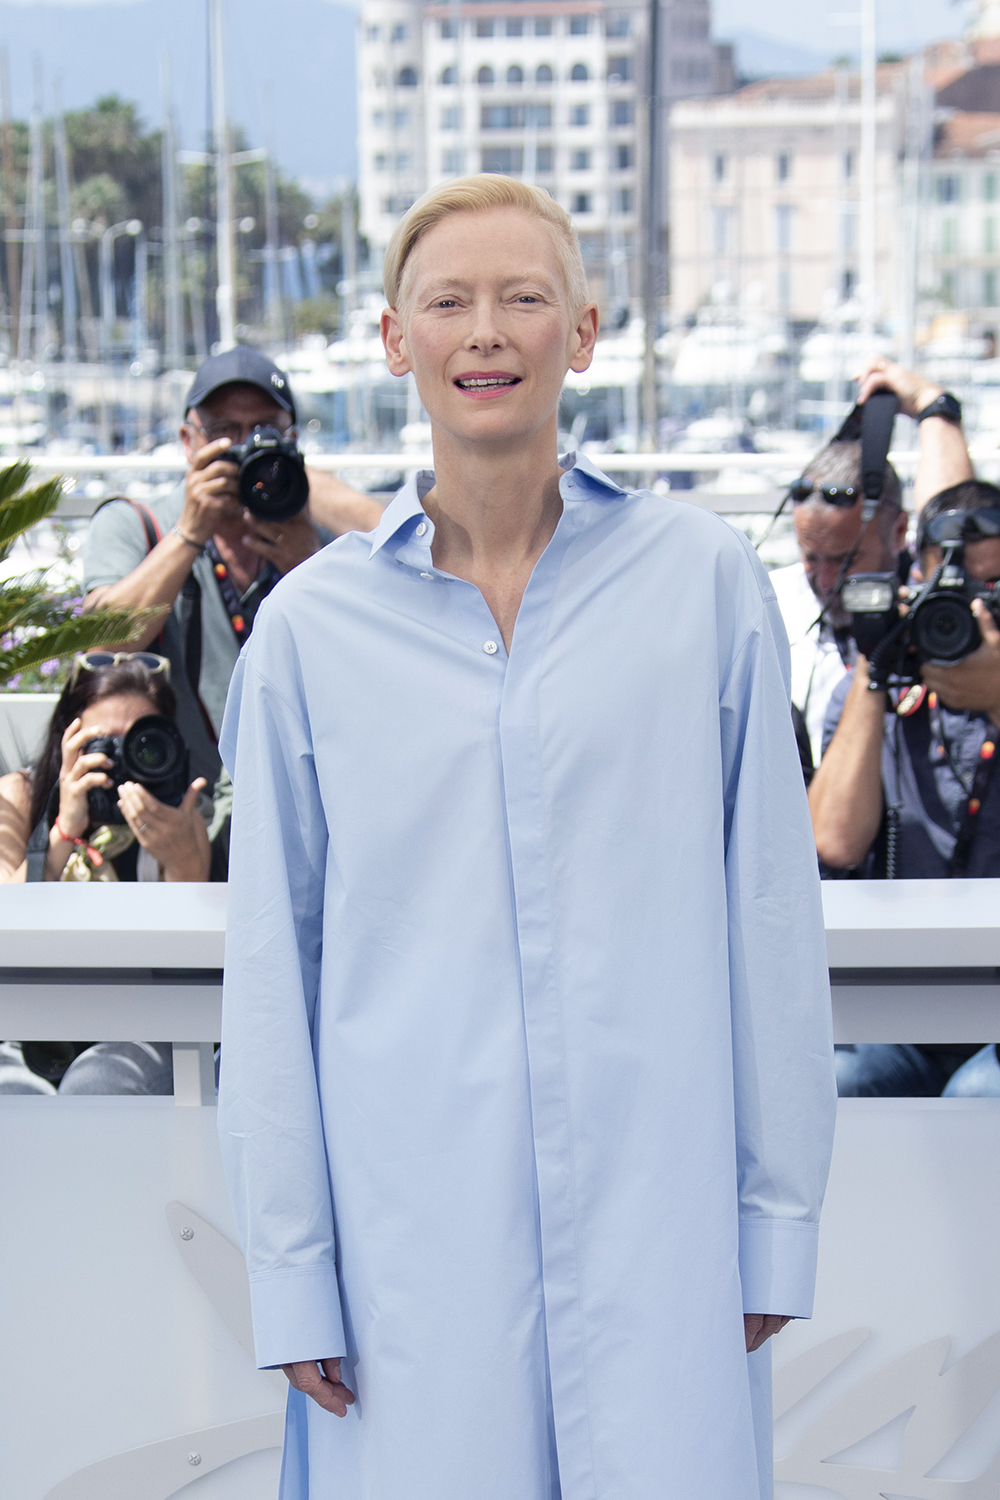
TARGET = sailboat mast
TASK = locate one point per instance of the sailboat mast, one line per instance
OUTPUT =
(174, 339)
(225, 239)
(68, 278)
(867, 165)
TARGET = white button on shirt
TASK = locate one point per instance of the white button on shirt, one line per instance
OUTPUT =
(491, 648)
(421, 530)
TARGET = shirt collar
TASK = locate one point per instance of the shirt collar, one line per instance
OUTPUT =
(581, 480)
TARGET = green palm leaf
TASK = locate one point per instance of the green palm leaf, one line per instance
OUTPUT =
(36, 624)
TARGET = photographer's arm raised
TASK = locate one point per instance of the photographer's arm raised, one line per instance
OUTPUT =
(845, 797)
(944, 458)
(210, 499)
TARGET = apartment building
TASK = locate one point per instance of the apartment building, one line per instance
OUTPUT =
(765, 196)
(550, 91)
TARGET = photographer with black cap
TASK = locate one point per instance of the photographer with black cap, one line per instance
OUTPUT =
(834, 542)
(907, 786)
(201, 553)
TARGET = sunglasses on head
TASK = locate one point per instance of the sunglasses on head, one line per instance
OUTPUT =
(97, 661)
(841, 495)
(961, 526)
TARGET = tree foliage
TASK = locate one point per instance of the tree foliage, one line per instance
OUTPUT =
(38, 625)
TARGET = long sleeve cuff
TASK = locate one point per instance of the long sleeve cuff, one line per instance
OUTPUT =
(778, 1266)
(296, 1315)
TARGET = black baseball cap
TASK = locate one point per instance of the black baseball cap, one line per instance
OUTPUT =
(246, 365)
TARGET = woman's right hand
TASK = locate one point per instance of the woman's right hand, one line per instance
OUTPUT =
(79, 775)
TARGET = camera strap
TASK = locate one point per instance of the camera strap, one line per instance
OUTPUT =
(241, 612)
(982, 778)
(877, 418)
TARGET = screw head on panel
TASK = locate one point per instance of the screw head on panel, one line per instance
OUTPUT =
(187, 1234)
(194, 1459)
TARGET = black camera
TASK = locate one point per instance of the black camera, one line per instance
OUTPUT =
(153, 753)
(939, 626)
(272, 479)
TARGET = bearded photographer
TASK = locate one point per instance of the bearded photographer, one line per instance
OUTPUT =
(906, 787)
(833, 542)
(201, 554)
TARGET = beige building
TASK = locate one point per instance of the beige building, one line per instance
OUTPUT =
(765, 196)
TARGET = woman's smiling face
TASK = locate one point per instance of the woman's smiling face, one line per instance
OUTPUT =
(486, 326)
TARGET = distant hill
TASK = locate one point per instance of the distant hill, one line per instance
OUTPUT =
(759, 56)
(303, 49)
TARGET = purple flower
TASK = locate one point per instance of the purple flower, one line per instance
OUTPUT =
(13, 683)
(48, 667)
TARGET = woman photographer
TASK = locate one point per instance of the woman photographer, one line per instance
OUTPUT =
(48, 831)
(105, 696)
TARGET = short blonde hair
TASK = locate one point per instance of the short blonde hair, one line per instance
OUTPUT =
(479, 194)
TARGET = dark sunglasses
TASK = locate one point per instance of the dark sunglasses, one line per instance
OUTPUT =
(841, 495)
(961, 526)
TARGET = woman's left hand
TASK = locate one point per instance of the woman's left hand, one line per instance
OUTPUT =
(176, 837)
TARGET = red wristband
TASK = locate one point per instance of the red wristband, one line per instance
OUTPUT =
(64, 836)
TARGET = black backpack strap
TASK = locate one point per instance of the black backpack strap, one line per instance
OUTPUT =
(190, 623)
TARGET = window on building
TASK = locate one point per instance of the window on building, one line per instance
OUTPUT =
(399, 33)
(449, 75)
(783, 166)
(720, 230)
(451, 118)
(484, 28)
(507, 160)
(539, 115)
(515, 74)
(378, 118)
(543, 25)
(990, 187)
(989, 236)
(579, 161)
(380, 161)
(948, 289)
(373, 33)
(543, 158)
(514, 28)
(447, 30)
(401, 118)
(543, 73)
(451, 162)
(623, 158)
(619, 25)
(847, 223)
(581, 203)
(578, 73)
(783, 217)
(622, 112)
(848, 163)
(619, 69)
(580, 114)
(946, 189)
(579, 25)
(403, 161)
(406, 78)
(989, 288)
(514, 116)
(949, 237)
(848, 283)
(623, 200)
(784, 288)
(719, 167)
(484, 77)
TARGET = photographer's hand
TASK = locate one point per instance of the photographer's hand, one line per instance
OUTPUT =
(944, 458)
(78, 775)
(176, 837)
(211, 493)
(975, 682)
(285, 543)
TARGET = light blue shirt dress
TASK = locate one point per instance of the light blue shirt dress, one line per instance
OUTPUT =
(527, 1088)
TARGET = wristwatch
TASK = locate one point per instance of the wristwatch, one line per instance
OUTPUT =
(946, 405)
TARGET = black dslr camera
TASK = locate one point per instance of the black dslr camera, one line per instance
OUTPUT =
(939, 626)
(153, 753)
(272, 479)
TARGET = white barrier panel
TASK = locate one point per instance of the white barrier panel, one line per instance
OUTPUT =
(126, 1370)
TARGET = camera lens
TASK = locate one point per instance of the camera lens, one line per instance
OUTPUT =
(153, 749)
(273, 486)
(945, 630)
